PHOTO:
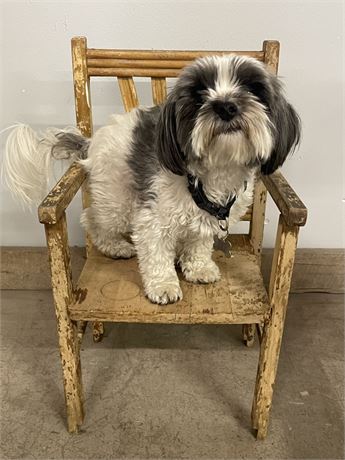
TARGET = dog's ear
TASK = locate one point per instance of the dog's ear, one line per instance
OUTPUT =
(287, 125)
(169, 151)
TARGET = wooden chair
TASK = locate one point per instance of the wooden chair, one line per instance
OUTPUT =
(111, 290)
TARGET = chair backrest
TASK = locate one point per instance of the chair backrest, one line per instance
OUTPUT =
(126, 64)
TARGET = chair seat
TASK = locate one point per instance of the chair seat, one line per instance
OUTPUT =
(111, 290)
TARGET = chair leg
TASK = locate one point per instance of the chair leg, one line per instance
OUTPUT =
(268, 363)
(67, 329)
(281, 273)
(248, 334)
(98, 331)
(71, 368)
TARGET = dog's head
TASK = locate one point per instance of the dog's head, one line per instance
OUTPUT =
(230, 107)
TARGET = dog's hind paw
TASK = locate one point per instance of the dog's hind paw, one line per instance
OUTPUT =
(164, 293)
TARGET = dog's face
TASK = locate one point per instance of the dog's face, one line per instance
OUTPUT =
(229, 107)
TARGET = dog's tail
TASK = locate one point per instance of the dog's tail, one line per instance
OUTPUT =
(28, 159)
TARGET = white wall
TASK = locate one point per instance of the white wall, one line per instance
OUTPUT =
(37, 83)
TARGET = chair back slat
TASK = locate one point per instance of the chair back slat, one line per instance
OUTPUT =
(144, 63)
(159, 90)
(93, 53)
(137, 63)
(128, 93)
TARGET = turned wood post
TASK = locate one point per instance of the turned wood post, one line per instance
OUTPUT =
(61, 277)
(271, 60)
(256, 230)
(281, 273)
(82, 98)
(83, 112)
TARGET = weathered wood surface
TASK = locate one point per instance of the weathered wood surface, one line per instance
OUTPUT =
(81, 328)
(248, 334)
(281, 273)
(248, 215)
(240, 242)
(111, 290)
(316, 270)
(256, 230)
(271, 49)
(159, 90)
(81, 86)
(157, 64)
(132, 72)
(138, 63)
(93, 53)
(256, 234)
(128, 93)
(98, 331)
(61, 276)
(289, 204)
(57, 200)
(271, 59)
(83, 108)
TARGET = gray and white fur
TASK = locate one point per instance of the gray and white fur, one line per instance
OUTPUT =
(225, 120)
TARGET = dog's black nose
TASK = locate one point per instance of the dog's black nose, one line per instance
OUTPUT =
(225, 110)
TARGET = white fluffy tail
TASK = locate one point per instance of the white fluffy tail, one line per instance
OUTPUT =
(28, 159)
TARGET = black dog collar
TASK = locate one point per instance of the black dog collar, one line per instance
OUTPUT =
(197, 191)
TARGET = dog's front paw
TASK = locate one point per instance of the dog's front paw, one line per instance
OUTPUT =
(165, 292)
(208, 273)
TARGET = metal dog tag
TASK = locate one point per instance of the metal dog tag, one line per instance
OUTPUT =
(222, 245)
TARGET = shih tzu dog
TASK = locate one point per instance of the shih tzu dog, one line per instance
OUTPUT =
(174, 175)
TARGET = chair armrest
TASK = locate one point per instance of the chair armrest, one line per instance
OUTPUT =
(53, 206)
(286, 199)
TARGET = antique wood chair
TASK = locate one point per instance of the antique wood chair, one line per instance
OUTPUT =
(111, 290)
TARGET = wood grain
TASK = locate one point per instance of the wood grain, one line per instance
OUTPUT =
(138, 63)
(132, 72)
(159, 90)
(271, 49)
(256, 230)
(111, 290)
(286, 199)
(316, 270)
(281, 273)
(93, 53)
(55, 203)
(81, 86)
(83, 107)
(128, 93)
(61, 277)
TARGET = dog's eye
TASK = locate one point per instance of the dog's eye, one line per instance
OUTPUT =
(255, 88)
(199, 94)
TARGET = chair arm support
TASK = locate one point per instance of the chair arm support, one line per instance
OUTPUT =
(55, 203)
(289, 204)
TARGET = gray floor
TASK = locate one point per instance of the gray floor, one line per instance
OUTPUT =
(172, 391)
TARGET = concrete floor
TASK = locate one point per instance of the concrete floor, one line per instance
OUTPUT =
(172, 391)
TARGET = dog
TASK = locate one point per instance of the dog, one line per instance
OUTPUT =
(173, 176)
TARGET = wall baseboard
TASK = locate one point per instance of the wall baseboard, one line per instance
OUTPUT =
(316, 270)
